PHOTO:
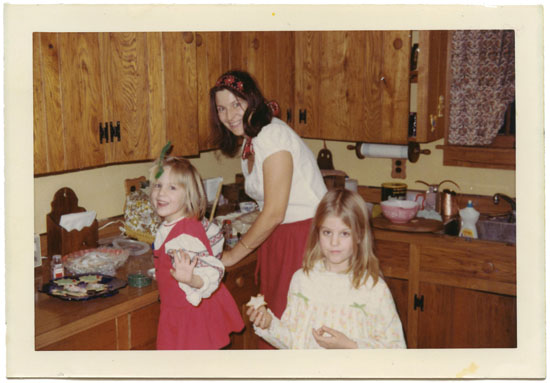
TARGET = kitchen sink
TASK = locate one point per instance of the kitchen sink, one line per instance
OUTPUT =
(489, 228)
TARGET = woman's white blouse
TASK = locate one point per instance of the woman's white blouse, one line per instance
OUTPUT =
(366, 315)
(307, 186)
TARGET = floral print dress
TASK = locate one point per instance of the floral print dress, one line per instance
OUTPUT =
(366, 315)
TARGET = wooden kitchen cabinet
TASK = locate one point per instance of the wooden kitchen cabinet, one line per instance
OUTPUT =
(353, 85)
(451, 292)
(269, 57)
(240, 281)
(432, 74)
(86, 84)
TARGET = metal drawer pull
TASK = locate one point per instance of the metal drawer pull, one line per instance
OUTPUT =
(488, 267)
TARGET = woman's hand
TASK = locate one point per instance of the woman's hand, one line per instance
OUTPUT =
(260, 317)
(183, 269)
(327, 337)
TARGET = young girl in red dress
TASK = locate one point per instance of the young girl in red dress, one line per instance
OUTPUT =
(197, 312)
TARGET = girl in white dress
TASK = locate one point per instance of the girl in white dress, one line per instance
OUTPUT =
(338, 299)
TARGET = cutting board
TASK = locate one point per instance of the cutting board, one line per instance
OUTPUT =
(415, 225)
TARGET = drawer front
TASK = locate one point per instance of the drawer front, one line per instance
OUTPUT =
(393, 257)
(100, 337)
(473, 267)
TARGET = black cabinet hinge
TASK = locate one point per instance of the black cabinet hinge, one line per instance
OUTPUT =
(302, 114)
(115, 130)
(418, 302)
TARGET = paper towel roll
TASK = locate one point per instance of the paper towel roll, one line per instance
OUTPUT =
(384, 150)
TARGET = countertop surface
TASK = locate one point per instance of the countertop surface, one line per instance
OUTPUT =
(56, 317)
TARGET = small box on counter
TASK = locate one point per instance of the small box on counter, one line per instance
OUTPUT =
(61, 241)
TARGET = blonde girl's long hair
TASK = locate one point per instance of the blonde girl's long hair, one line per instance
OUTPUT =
(186, 175)
(350, 207)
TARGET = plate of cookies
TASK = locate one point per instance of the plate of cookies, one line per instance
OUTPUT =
(83, 287)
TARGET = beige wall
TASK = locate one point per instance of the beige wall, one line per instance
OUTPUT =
(102, 189)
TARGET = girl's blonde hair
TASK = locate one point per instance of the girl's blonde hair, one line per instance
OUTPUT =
(350, 207)
(186, 175)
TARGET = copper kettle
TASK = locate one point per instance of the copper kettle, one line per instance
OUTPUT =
(440, 202)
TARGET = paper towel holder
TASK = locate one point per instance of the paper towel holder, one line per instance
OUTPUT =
(413, 150)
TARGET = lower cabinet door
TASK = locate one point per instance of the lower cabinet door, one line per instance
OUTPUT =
(400, 291)
(452, 317)
(99, 337)
(143, 327)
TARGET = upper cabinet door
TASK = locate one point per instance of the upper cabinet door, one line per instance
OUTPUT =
(269, 58)
(180, 82)
(211, 63)
(353, 85)
(125, 88)
(431, 85)
(68, 101)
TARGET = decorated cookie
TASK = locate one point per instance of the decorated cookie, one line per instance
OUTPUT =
(257, 301)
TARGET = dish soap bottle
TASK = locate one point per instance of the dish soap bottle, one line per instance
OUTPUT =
(468, 218)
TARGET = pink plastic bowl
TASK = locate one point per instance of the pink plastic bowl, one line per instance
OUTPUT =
(399, 211)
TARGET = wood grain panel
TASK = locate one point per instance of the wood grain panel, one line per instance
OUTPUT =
(40, 132)
(155, 78)
(400, 291)
(100, 337)
(472, 319)
(53, 126)
(284, 93)
(471, 263)
(254, 50)
(393, 257)
(307, 82)
(180, 81)
(209, 68)
(126, 94)
(122, 332)
(372, 99)
(334, 107)
(143, 325)
(82, 102)
(395, 85)
(432, 78)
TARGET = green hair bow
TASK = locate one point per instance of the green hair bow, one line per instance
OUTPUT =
(161, 159)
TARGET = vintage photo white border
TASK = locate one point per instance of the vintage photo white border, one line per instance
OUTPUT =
(526, 361)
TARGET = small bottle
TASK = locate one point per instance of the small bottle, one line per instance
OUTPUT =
(468, 218)
(57, 267)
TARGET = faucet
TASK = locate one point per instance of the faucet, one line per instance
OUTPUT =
(511, 201)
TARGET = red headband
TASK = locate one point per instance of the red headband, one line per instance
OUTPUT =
(230, 81)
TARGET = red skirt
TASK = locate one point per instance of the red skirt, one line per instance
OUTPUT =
(279, 257)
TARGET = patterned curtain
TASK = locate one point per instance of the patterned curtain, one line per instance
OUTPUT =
(482, 84)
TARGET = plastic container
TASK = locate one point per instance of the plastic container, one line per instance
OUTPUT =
(468, 219)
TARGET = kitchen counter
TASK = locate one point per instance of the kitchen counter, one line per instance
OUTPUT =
(127, 320)
(56, 320)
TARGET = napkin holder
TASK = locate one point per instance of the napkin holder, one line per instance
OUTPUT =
(61, 241)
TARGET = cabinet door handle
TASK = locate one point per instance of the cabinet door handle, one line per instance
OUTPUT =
(418, 302)
(289, 115)
(302, 116)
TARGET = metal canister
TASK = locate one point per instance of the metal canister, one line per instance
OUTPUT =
(395, 190)
(449, 206)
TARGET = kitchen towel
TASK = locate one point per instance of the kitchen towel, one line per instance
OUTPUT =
(77, 220)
